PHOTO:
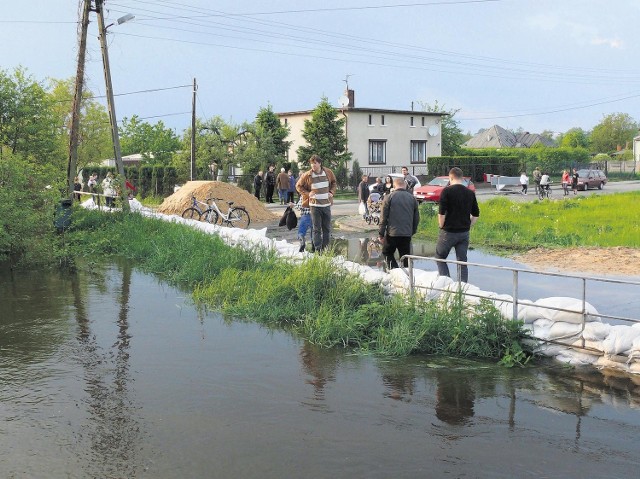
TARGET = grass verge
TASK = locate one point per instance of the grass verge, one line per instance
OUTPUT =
(595, 220)
(314, 299)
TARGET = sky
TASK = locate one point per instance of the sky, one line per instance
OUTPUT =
(531, 64)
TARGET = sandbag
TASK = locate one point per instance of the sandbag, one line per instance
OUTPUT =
(620, 339)
(573, 304)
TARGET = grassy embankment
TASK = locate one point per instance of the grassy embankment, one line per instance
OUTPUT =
(595, 220)
(328, 306)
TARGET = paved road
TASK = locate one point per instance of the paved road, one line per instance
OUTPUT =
(484, 193)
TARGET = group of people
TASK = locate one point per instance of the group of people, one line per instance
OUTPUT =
(284, 182)
(458, 211)
(543, 180)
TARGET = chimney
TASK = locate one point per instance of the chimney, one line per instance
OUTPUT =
(352, 98)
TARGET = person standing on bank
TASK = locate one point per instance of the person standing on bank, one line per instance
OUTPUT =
(270, 183)
(363, 193)
(410, 180)
(398, 223)
(257, 184)
(282, 183)
(458, 212)
(317, 186)
(292, 186)
(574, 181)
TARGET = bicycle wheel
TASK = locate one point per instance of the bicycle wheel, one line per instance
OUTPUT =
(191, 214)
(211, 216)
(239, 218)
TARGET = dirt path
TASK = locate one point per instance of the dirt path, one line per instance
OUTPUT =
(603, 261)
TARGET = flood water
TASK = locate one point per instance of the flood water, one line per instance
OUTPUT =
(621, 300)
(117, 375)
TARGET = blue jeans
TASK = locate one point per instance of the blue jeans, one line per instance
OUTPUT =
(446, 241)
(321, 220)
(303, 226)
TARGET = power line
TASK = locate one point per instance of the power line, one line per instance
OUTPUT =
(559, 110)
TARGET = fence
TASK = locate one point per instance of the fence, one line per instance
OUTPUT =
(516, 274)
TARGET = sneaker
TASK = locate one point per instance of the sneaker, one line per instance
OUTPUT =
(303, 245)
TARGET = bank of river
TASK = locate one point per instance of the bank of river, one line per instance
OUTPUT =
(116, 374)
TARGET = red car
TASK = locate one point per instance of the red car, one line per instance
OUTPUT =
(432, 190)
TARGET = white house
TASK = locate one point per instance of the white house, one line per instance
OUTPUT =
(380, 140)
(636, 150)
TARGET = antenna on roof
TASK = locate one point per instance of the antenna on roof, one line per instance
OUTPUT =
(346, 80)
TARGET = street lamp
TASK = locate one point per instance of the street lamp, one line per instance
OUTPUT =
(109, 88)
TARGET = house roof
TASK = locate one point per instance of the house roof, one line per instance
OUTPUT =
(369, 110)
(498, 137)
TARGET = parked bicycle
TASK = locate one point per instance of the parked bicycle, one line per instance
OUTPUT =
(236, 216)
(208, 210)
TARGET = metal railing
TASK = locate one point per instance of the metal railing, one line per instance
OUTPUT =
(516, 273)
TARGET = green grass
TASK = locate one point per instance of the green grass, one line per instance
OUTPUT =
(314, 299)
(595, 220)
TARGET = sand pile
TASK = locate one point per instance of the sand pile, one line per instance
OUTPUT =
(602, 261)
(181, 199)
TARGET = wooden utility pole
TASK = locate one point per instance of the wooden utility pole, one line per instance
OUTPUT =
(111, 104)
(72, 164)
(193, 131)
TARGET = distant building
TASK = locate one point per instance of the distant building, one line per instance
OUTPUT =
(127, 160)
(498, 137)
(636, 149)
(377, 138)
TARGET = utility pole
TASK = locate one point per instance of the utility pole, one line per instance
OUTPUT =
(193, 130)
(77, 99)
(111, 104)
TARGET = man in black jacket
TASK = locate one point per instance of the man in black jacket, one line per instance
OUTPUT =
(270, 183)
(398, 223)
(457, 213)
(257, 184)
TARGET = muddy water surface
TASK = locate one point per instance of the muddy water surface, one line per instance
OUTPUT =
(116, 374)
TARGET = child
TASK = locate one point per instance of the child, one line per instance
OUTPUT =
(304, 224)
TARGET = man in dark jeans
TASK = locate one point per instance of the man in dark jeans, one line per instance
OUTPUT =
(257, 184)
(398, 223)
(457, 213)
(270, 183)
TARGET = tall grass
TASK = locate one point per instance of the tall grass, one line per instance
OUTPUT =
(324, 304)
(595, 220)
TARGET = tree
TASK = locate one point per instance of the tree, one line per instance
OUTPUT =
(94, 137)
(156, 143)
(452, 136)
(574, 138)
(325, 136)
(28, 125)
(616, 129)
(268, 128)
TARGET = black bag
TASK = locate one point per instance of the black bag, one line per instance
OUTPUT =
(283, 220)
(292, 219)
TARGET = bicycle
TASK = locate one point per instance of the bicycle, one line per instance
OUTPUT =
(195, 212)
(545, 192)
(237, 216)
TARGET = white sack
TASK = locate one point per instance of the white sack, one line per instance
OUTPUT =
(573, 304)
(620, 339)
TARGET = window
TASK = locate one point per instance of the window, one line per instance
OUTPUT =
(377, 152)
(423, 121)
(411, 121)
(418, 151)
(370, 120)
(382, 119)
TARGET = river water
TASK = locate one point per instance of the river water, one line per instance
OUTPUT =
(118, 375)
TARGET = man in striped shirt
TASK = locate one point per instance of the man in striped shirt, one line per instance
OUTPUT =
(317, 187)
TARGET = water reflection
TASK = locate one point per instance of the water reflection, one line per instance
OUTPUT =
(139, 383)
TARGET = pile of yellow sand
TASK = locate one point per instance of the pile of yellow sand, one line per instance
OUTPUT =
(181, 199)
